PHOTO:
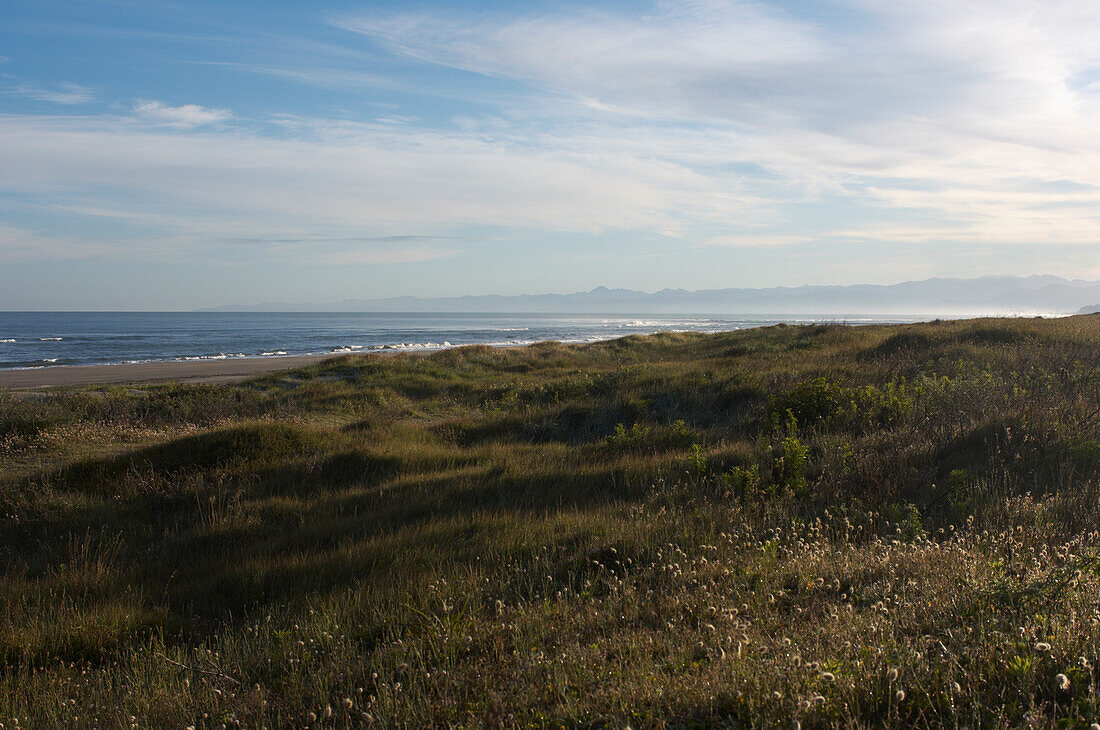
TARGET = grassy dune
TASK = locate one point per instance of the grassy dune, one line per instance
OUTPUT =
(823, 525)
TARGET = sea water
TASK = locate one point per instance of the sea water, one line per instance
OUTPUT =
(44, 339)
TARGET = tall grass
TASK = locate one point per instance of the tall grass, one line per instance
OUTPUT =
(824, 525)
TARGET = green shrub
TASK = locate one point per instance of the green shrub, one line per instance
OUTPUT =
(811, 403)
(648, 438)
(697, 462)
(791, 465)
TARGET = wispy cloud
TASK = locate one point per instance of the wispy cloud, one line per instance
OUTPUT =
(403, 238)
(702, 124)
(63, 93)
(183, 117)
(21, 244)
(751, 240)
(319, 76)
(372, 176)
(903, 106)
(355, 250)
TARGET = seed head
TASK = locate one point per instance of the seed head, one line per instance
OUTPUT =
(899, 695)
(1042, 646)
(1062, 681)
(892, 675)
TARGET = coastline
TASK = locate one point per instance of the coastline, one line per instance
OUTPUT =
(192, 371)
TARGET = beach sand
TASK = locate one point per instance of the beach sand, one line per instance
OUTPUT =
(194, 371)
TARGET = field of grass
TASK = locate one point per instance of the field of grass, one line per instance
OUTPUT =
(819, 526)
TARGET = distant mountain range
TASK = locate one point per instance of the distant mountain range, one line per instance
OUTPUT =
(988, 295)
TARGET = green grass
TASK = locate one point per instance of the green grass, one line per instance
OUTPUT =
(841, 527)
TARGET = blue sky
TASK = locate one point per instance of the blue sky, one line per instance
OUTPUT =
(166, 155)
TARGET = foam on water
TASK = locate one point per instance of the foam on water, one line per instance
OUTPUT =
(218, 356)
(413, 346)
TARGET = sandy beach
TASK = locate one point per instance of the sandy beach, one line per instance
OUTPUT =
(195, 371)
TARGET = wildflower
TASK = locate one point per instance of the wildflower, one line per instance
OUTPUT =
(348, 704)
(899, 695)
(828, 676)
(1062, 681)
(1042, 646)
(956, 688)
(892, 675)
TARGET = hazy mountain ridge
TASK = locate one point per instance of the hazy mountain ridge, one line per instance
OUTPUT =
(1013, 295)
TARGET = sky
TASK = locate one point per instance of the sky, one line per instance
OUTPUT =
(160, 154)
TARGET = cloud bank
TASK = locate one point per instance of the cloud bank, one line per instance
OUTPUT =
(707, 124)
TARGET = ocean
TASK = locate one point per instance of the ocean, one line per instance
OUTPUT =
(45, 339)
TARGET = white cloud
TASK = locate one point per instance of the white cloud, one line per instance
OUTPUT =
(932, 105)
(377, 178)
(65, 93)
(717, 122)
(183, 117)
(688, 55)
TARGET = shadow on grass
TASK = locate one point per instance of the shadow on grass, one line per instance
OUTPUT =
(208, 537)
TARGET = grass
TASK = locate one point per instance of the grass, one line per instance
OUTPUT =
(823, 526)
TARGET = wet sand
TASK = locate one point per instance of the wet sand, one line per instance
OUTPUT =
(195, 371)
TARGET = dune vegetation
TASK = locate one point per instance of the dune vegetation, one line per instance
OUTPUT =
(793, 526)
